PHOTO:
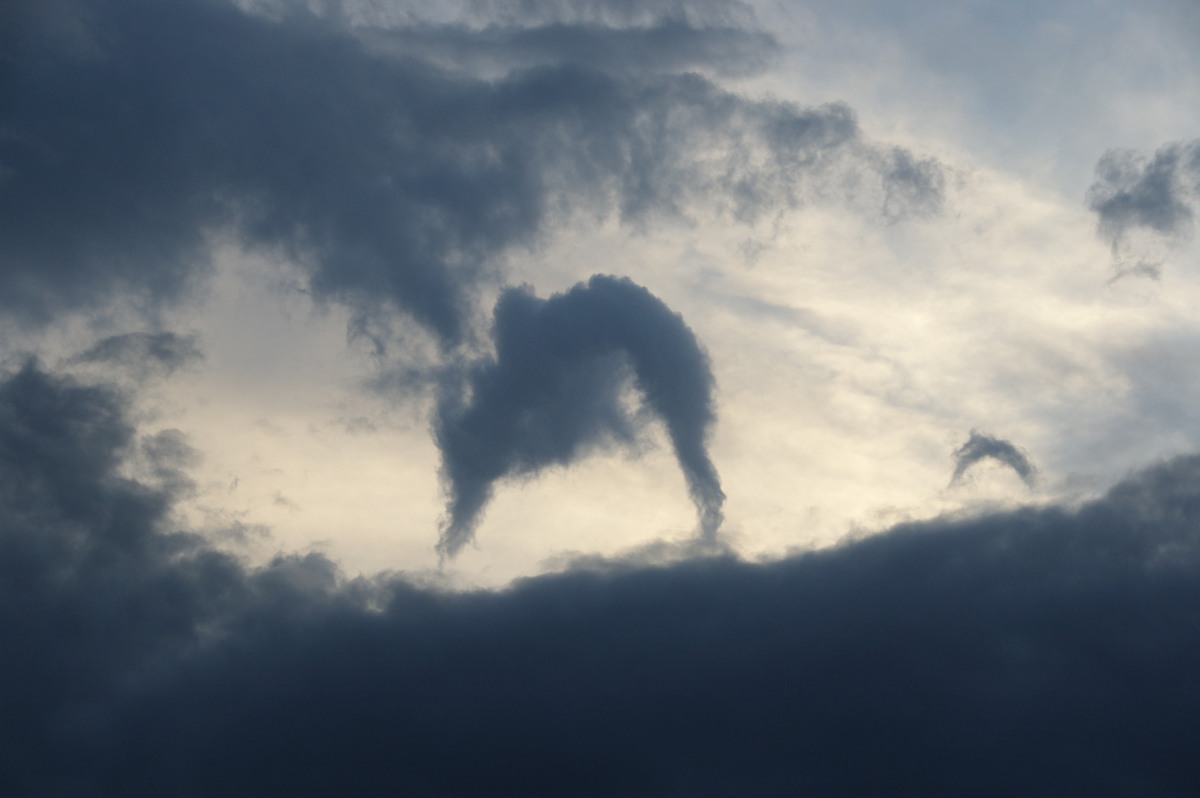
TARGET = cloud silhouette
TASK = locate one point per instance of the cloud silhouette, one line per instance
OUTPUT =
(554, 390)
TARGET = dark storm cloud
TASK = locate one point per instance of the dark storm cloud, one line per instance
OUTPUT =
(982, 447)
(1158, 193)
(554, 390)
(143, 353)
(132, 131)
(1042, 651)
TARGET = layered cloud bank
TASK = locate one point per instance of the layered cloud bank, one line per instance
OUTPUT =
(1043, 650)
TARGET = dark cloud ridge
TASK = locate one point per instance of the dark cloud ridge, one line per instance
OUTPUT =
(1044, 651)
(554, 390)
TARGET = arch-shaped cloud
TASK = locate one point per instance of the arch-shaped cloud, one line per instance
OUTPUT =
(553, 391)
(981, 446)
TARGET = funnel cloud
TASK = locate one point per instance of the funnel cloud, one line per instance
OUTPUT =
(554, 391)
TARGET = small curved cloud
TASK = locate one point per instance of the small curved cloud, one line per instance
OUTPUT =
(980, 447)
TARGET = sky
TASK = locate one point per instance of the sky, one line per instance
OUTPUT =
(599, 398)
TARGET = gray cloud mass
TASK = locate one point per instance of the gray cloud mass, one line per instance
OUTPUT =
(554, 389)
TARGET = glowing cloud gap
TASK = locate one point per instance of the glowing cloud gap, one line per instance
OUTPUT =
(554, 391)
(980, 446)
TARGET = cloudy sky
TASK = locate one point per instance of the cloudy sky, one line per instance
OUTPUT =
(598, 397)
